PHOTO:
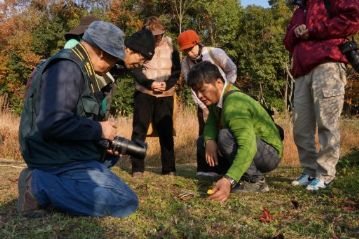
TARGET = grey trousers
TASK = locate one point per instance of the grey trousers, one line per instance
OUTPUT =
(265, 160)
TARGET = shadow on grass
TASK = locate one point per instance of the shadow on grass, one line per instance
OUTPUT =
(53, 225)
(8, 210)
(182, 170)
(347, 177)
(349, 160)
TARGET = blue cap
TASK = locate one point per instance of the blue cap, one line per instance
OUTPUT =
(107, 37)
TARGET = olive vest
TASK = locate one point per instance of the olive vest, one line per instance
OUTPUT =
(39, 152)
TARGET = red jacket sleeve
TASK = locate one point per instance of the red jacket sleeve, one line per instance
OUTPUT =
(343, 20)
(290, 40)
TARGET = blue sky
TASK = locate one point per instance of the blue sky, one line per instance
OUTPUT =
(263, 3)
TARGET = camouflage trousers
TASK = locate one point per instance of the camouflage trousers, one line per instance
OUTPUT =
(318, 103)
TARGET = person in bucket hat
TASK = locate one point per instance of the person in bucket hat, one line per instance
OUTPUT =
(67, 168)
(73, 37)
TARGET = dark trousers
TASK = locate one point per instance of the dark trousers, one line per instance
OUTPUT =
(265, 160)
(201, 122)
(159, 111)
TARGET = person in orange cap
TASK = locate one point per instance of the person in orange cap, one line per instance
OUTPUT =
(195, 52)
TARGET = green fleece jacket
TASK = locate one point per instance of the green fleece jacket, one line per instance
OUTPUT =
(246, 119)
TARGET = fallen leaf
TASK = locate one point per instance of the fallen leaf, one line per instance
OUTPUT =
(185, 196)
(349, 209)
(266, 217)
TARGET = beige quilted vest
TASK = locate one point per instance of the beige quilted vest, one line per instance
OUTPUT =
(159, 67)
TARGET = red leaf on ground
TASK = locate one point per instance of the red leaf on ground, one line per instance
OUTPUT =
(350, 205)
(349, 209)
(266, 217)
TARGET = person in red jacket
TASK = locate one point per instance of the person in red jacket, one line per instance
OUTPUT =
(316, 31)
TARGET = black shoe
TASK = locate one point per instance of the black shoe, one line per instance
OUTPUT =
(246, 186)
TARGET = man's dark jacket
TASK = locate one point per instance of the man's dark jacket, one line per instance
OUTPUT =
(59, 123)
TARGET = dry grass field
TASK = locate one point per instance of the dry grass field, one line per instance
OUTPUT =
(177, 207)
(186, 128)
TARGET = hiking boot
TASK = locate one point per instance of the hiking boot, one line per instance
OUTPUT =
(316, 184)
(27, 204)
(302, 180)
(247, 186)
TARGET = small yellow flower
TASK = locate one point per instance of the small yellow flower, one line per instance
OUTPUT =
(210, 191)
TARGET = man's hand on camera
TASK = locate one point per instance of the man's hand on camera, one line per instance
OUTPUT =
(108, 130)
(211, 153)
(301, 31)
(112, 152)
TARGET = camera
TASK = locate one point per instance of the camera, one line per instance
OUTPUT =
(351, 51)
(136, 149)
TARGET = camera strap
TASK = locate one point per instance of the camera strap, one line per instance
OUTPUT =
(82, 55)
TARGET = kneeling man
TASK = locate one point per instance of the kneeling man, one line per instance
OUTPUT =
(238, 131)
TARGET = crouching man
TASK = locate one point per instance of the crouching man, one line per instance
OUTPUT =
(238, 131)
(64, 118)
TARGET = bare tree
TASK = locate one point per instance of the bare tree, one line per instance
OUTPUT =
(180, 7)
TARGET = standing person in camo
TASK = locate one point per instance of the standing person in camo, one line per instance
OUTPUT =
(153, 98)
(64, 118)
(315, 33)
(195, 52)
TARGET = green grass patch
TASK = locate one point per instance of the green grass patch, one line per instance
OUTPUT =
(166, 213)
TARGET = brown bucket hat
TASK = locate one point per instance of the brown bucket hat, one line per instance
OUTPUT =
(80, 29)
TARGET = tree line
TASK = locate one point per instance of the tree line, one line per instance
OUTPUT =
(32, 30)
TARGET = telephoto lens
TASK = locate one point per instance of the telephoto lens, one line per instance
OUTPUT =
(136, 149)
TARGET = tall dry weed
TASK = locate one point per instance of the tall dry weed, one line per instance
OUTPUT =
(290, 153)
(9, 145)
(186, 128)
(349, 129)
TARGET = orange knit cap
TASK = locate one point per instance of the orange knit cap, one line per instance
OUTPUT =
(188, 39)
